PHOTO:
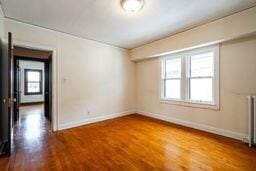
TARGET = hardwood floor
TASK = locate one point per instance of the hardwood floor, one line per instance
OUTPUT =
(132, 142)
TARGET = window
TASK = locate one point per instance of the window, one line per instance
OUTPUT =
(33, 82)
(172, 78)
(191, 78)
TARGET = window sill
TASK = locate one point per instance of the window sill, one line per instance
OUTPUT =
(190, 104)
(33, 94)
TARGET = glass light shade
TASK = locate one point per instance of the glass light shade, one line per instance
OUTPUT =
(132, 5)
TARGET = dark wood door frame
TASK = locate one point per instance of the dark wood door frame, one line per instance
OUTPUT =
(47, 83)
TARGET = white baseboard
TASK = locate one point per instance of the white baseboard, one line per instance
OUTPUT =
(223, 132)
(102, 117)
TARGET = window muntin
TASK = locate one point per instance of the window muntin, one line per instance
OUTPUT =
(33, 82)
(193, 80)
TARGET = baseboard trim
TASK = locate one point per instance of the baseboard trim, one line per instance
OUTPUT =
(223, 132)
(203, 127)
(86, 121)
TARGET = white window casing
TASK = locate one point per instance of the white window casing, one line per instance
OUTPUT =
(185, 79)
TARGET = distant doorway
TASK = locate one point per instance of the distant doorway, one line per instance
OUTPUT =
(33, 93)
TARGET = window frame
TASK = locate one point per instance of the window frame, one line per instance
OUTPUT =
(185, 78)
(26, 82)
(165, 78)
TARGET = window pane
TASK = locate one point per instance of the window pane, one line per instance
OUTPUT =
(173, 68)
(33, 76)
(172, 89)
(201, 89)
(202, 64)
(33, 87)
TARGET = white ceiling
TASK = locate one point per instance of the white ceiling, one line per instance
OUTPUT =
(105, 20)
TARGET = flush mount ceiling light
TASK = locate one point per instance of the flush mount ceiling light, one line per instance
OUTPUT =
(132, 5)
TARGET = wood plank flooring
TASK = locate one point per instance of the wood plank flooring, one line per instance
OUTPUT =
(132, 142)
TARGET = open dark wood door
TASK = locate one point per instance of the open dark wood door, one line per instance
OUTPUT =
(16, 89)
(48, 89)
(7, 99)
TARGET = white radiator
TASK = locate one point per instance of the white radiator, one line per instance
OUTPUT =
(252, 120)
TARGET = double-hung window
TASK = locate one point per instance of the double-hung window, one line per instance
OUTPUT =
(33, 82)
(191, 77)
(172, 79)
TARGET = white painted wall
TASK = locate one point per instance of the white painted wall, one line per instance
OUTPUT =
(1, 23)
(24, 64)
(95, 79)
(237, 80)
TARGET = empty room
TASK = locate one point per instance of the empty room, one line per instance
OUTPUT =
(128, 85)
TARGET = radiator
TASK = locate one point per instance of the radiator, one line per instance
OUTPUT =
(252, 120)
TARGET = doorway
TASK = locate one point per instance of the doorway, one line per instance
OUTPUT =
(32, 89)
(10, 91)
